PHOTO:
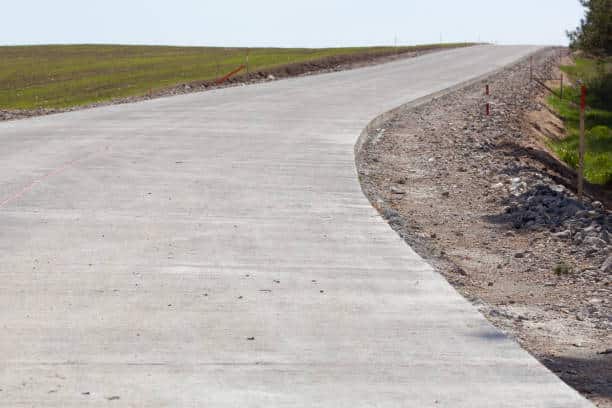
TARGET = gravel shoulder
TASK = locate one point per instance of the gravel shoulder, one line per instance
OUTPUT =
(488, 205)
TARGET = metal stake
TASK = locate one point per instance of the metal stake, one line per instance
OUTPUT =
(247, 63)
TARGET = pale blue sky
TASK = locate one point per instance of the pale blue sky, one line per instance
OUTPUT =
(309, 23)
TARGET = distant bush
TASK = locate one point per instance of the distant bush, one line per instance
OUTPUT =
(594, 35)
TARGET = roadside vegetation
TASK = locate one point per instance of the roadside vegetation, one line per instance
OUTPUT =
(63, 76)
(592, 43)
(597, 76)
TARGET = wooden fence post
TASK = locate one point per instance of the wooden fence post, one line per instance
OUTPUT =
(582, 143)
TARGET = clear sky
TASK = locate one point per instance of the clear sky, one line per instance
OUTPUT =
(286, 23)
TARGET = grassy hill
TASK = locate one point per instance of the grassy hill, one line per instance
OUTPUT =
(61, 76)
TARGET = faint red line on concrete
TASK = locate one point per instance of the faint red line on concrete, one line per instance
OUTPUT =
(30, 186)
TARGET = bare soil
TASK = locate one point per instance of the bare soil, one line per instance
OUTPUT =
(493, 210)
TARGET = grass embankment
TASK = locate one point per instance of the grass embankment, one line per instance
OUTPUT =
(61, 76)
(597, 75)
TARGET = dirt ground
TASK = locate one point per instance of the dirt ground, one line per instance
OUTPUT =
(322, 65)
(487, 204)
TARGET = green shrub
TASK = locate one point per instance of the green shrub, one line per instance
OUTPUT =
(600, 91)
(562, 269)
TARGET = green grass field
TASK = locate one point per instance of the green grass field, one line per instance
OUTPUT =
(598, 120)
(61, 76)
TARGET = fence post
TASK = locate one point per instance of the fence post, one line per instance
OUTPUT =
(562, 85)
(488, 105)
(582, 143)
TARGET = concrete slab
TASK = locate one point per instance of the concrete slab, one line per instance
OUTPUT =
(216, 250)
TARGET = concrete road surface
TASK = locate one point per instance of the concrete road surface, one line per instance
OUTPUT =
(216, 250)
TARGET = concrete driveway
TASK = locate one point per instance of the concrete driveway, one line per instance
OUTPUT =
(216, 250)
